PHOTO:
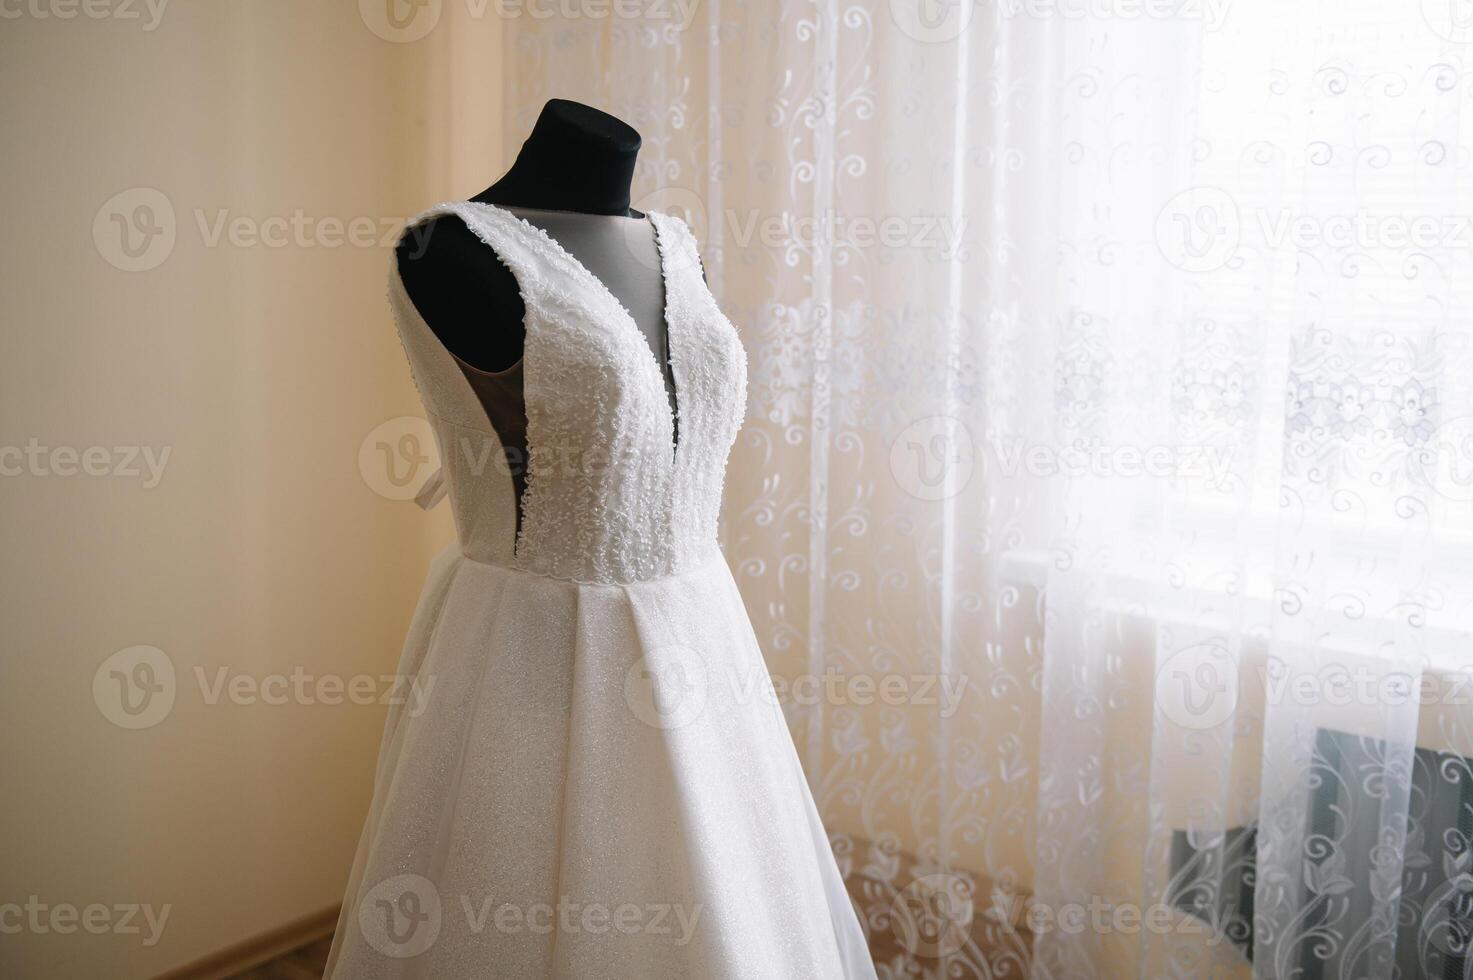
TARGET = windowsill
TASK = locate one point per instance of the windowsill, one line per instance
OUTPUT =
(1352, 637)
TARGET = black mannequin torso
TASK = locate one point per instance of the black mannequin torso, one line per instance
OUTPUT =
(571, 179)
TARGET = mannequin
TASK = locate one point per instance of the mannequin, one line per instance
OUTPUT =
(571, 179)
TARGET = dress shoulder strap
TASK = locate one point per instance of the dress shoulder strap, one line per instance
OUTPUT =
(438, 377)
(506, 235)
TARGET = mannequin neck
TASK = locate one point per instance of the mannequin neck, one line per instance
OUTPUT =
(576, 159)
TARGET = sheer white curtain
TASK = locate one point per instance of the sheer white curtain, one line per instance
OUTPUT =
(1104, 504)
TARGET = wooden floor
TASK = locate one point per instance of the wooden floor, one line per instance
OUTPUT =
(307, 963)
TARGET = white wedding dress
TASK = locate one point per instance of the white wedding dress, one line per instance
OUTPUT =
(601, 783)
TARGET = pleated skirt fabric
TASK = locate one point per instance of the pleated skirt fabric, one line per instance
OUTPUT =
(590, 781)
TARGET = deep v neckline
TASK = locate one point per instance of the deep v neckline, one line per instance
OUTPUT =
(630, 326)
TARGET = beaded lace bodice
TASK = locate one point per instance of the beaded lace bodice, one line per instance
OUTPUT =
(618, 489)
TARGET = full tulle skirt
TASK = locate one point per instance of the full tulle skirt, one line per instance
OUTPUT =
(590, 781)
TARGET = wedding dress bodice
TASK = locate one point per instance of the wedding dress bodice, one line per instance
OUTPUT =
(618, 489)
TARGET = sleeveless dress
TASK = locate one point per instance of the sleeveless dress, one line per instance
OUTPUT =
(600, 781)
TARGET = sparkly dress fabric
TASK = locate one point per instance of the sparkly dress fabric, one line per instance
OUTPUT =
(599, 781)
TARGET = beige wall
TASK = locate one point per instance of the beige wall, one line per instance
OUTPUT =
(260, 370)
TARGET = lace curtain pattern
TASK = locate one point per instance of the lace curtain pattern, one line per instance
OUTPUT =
(1105, 501)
